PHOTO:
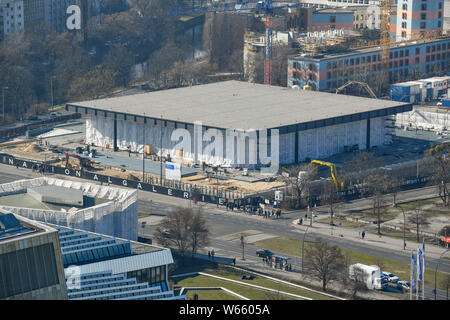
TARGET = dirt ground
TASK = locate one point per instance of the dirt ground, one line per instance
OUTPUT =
(32, 151)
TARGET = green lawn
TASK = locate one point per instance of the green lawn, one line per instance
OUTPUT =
(345, 223)
(143, 215)
(209, 295)
(250, 293)
(260, 281)
(410, 236)
(392, 212)
(402, 270)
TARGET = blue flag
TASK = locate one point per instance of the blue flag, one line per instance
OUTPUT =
(413, 266)
(419, 265)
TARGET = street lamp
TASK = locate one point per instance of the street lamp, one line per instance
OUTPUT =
(160, 148)
(303, 246)
(435, 272)
(51, 87)
(3, 95)
(404, 226)
(143, 151)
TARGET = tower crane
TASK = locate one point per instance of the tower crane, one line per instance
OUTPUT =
(266, 6)
(385, 28)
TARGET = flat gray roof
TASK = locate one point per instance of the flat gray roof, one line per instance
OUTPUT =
(243, 105)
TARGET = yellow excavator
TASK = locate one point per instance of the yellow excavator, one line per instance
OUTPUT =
(339, 184)
(362, 84)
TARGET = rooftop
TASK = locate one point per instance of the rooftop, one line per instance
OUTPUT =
(363, 50)
(238, 105)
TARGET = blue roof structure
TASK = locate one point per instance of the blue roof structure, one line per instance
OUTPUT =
(10, 226)
(106, 286)
(81, 248)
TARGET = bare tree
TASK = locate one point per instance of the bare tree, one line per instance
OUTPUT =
(418, 219)
(441, 170)
(445, 282)
(299, 181)
(378, 184)
(183, 228)
(331, 197)
(323, 262)
(198, 233)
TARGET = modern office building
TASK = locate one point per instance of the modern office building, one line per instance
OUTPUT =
(31, 265)
(100, 267)
(408, 61)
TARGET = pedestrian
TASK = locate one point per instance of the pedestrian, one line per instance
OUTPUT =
(234, 261)
(209, 254)
(363, 234)
(212, 253)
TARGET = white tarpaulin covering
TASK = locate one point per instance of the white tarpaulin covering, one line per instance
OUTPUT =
(437, 121)
(313, 143)
(117, 218)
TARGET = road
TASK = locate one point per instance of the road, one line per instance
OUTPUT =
(223, 223)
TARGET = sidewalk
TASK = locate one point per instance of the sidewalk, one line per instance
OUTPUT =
(384, 242)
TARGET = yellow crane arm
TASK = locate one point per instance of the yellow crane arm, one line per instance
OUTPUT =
(362, 84)
(332, 168)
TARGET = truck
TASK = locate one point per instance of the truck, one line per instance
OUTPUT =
(371, 275)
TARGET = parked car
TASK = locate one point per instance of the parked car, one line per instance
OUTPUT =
(33, 117)
(263, 253)
(403, 285)
(167, 232)
(391, 277)
(439, 103)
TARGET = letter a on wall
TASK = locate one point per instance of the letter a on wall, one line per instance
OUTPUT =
(73, 22)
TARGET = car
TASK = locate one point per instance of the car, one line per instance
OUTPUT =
(33, 117)
(403, 285)
(167, 232)
(439, 103)
(264, 253)
(391, 277)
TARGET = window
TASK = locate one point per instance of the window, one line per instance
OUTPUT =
(368, 59)
(440, 5)
(404, 16)
(396, 54)
(438, 56)
(390, 64)
(374, 58)
(428, 59)
(391, 55)
(357, 61)
(438, 47)
(363, 60)
(433, 48)
(328, 75)
(403, 25)
(417, 50)
(423, 16)
(351, 62)
(403, 34)
(395, 64)
(329, 65)
(440, 14)
(439, 23)
(406, 62)
(423, 25)
(406, 52)
(428, 49)
(332, 19)
(432, 57)
(443, 55)
(401, 63)
(423, 6)
(417, 60)
(404, 6)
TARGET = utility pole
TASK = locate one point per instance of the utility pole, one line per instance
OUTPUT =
(435, 273)
(3, 94)
(143, 152)
(404, 227)
(243, 246)
(160, 151)
(303, 247)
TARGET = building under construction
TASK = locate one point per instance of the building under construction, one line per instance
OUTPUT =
(311, 124)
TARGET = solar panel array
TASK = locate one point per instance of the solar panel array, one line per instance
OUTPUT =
(106, 286)
(81, 248)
